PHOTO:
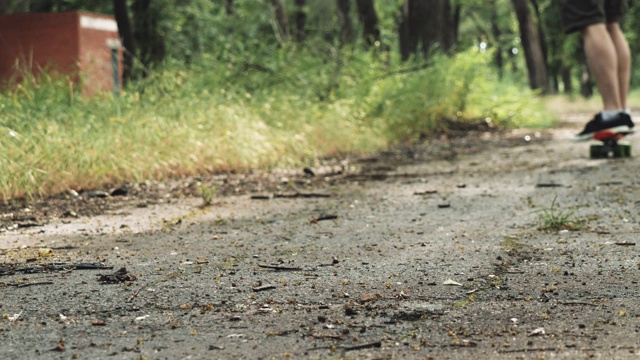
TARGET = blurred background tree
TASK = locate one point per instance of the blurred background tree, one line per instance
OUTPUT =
(525, 36)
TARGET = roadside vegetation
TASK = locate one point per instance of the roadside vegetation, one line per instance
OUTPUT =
(214, 116)
(228, 89)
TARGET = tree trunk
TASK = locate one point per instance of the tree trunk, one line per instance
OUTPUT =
(543, 43)
(300, 32)
(531, 45)
(146, 34)
(124, 30)
(433, 25)
(425, 24)
(346, 26)
(367, 14)
(282, 23)
(411, 28)
(457, 13)
(228, 6)
(40, 6)
(449, 28)
(586, 86)
(565, 73)
(497, 36)
(543, 39)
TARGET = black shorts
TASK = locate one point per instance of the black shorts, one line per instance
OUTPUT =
(578, 14)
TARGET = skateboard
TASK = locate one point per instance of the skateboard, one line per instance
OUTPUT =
(610, 148)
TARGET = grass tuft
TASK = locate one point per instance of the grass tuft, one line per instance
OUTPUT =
(555, 219)
(207, 193)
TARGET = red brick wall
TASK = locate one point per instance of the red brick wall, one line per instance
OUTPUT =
(97, 32)
(63, 41)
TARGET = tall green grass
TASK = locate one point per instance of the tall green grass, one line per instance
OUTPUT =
(462, 88)
(288, 107)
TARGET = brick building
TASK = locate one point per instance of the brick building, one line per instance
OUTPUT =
(77, 43)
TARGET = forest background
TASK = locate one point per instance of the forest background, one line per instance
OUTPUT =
(234, 85)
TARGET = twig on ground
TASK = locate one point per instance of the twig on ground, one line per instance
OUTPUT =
(21, 285)
(527, 350)
(576, 303)
(324, 217)
(135, 294)
(279, 268)
(263, 288)
(301, 195)
(548, 185)
(327, 336)
(375, 344)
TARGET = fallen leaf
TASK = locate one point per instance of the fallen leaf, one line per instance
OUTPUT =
(60, 346)
(139, 318)
(536, 332)
(451, 282)
(14, 317)
(368, 297)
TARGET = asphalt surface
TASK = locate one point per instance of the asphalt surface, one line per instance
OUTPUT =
(448, 256)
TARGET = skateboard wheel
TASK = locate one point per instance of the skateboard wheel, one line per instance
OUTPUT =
(606, 151)
(598, 152)
(621, 151)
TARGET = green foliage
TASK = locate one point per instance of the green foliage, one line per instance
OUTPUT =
(463, 88)
(270, 107)
(207, 193)
(631, 26)
(554, 219)
(231, 95)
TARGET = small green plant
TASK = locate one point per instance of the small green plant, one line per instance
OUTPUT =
(511, 243)
(207, 193)
(464, 303)
(554, 219)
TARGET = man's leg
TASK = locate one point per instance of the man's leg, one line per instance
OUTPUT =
(603, 62)
(624, 61)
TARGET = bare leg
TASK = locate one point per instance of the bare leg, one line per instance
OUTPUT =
(624, 61)
(603, 62)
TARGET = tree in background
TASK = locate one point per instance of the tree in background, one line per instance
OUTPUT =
(424, 25)
(344, 18)
(228, 5)
(531, 44)
(631, 26)
(496, 33)
(300, 16)
(183, 30)
(146, 33)
(450, 25)
(562, 52)
(281, 19)
(126, 35)
(369, 18)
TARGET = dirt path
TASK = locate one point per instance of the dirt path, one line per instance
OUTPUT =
(426, 258)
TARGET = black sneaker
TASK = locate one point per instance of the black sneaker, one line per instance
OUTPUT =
(621, 123)
(628, 121)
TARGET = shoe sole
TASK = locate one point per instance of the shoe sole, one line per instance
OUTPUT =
(623, 129)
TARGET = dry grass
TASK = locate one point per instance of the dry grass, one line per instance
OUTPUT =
(208, 120)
